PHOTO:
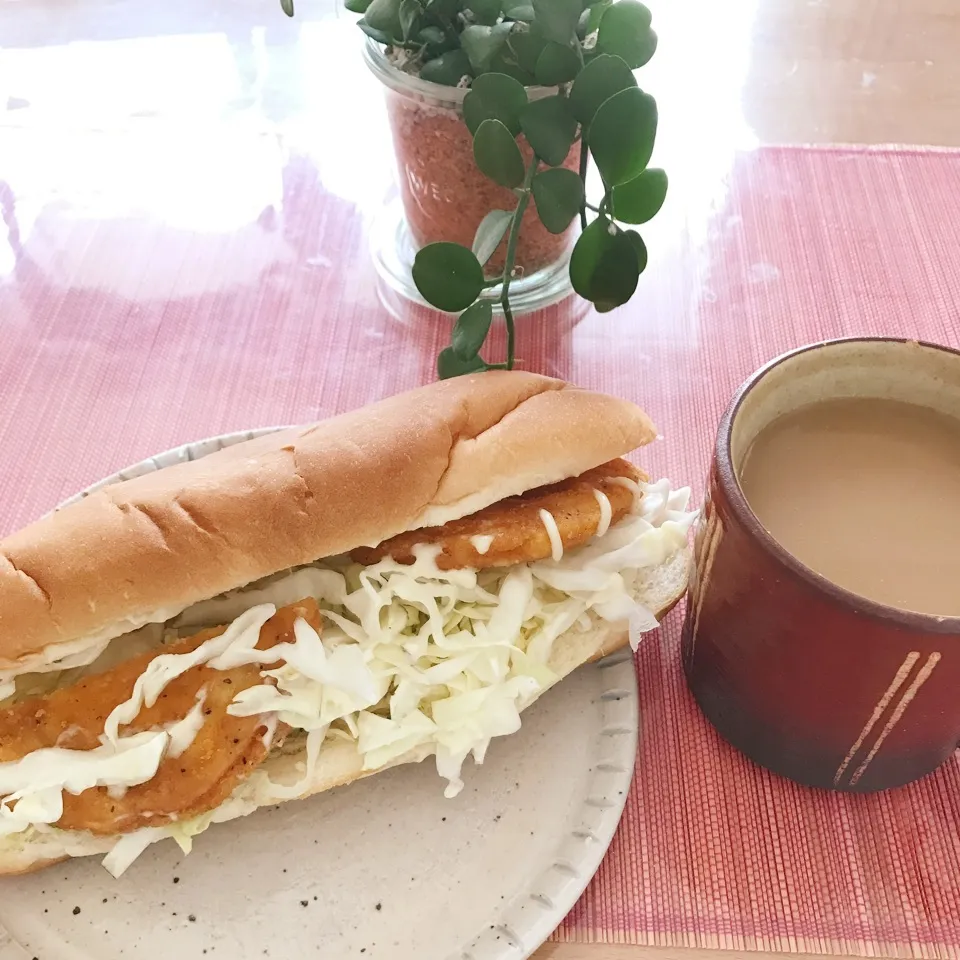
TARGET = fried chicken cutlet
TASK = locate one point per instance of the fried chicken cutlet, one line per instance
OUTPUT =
(513, 530)
(225, 750)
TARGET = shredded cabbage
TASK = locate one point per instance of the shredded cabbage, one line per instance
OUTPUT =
(131, 845)
(413, 656)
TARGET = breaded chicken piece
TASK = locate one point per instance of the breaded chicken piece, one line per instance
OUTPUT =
(225, 751)
(515, 528)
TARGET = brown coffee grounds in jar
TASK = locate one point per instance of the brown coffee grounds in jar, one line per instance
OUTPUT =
(445, 196)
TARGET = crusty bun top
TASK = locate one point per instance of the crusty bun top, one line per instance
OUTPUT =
(147, 548)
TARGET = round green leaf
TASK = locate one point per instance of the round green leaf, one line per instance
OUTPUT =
(556, 64)
(490, 232)
(497, 154)
(558, 19)
(357, 6)
(448, 276)
(485, 11)
(559, 195)
(599, 80)
(409, 17)
(587, 253)
(384, 15)
(603, 266)
(481, 44)
(494, 96)
(640, 199)
(518, 10)
(471, 329)
(625, 31)
(432, 35)
(639, 248)
(631, 15)
(622, 134)
(527, 45)
(447, 69)
(550, 128)
(450, 365)
(374, 34)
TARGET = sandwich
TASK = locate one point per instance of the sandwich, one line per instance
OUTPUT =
(301, 610)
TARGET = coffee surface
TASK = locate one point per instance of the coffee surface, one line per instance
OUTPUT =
(866, 493)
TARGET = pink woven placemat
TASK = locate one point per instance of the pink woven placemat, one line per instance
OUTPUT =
(713, 851)
(183, 308)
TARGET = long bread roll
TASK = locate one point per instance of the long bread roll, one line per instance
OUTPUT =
(514, 471)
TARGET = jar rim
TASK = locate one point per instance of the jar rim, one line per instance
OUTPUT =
(375, 57)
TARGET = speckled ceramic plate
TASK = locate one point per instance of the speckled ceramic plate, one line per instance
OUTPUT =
(384, 868)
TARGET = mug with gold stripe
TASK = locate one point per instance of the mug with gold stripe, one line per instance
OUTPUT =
(808, 679)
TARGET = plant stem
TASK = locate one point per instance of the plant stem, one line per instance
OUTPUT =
(584, 157)
(590, 206)
(512, 255)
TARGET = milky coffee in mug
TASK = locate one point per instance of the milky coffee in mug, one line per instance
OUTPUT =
(866, 492)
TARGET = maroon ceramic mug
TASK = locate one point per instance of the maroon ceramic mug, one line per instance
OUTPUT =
(807, 679)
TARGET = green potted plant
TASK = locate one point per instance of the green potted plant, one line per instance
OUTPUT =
(496, 108)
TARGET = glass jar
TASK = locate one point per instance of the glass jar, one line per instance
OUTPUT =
(444, 196)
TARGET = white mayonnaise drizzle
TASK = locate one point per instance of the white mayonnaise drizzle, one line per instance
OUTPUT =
(184, 732)
(243, 632)
(631, 485)
(606, 512)
(35, 783)
(481, 543)
(556, 542)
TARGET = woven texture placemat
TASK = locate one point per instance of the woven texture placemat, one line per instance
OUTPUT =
(129, 329)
